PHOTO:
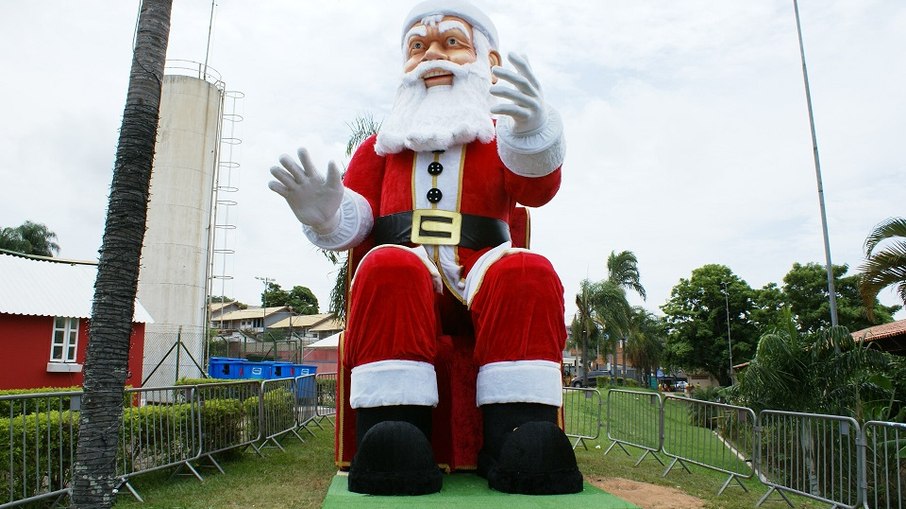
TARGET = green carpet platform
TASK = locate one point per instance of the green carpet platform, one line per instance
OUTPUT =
(463, 490)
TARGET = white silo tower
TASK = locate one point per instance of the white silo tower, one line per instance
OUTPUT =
(178, 245)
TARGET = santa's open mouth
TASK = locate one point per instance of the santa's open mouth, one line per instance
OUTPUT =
(437, 75)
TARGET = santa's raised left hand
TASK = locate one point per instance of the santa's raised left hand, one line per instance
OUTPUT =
(523, 101)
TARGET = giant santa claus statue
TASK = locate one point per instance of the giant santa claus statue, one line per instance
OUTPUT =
(433, 191)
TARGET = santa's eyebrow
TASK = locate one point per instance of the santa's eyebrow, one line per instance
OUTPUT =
(419, 30)
(452, 24)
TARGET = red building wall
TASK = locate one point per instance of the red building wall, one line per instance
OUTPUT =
(25, 343)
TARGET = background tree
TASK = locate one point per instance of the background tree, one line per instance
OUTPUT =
(274, 295)
(94, 471)
(29, 238)
(885, 266)
(645, 345)
(805, 290)
(303, 301)
(585, 331)
(696, 321)
(623, 272)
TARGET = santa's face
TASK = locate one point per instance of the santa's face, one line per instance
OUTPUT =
(443, 99)
(449, 40)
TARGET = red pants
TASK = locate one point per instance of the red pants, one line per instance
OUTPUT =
(395, 317)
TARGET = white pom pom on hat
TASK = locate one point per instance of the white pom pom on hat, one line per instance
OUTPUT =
(459, 8)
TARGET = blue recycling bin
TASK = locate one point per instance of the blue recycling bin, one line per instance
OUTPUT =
(281, 369)
(307, 388)
(225, 368)
(258, 370)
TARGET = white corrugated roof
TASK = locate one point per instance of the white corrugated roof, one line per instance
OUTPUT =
(34, 285)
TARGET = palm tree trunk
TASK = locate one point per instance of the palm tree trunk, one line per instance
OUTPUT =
(117, 280)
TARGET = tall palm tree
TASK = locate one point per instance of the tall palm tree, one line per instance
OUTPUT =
(623, 272)
(645, 344)
(94, 471)
(884, 267)
(585, 329)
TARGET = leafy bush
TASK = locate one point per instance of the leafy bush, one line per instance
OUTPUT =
(36, 452)
(14, 407)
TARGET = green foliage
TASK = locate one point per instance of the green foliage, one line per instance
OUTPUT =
(644, 346)
(28, 444)
(697, 326)
(827, 372)
(885, 262)
(29, 238)
(806, 292)
(300, 298)
(10, 408)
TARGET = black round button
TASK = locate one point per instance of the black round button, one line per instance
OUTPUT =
(435, 168)
(434, 195)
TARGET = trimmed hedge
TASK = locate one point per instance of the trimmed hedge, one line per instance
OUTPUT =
(29, 444)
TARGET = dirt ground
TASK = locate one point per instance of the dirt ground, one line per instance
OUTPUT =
(647, 496)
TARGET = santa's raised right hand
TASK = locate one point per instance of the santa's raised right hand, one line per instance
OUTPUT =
(314, 199)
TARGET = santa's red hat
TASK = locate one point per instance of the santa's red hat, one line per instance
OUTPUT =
(459, 8)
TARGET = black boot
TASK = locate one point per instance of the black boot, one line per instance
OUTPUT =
(525, 452)
(394, 455)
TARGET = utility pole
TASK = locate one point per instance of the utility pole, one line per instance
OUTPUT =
(729, 340)
(832, 293)
(264, 303)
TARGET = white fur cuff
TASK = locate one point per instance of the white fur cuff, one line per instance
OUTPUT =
(355, 223)
(520, 382)
(534, 154)
(393, 382)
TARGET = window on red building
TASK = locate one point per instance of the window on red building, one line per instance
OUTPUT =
(65, 339)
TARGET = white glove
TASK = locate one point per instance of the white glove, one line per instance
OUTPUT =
(525, 103)
(314, 199)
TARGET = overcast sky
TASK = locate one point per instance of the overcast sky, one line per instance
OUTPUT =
(686, 124)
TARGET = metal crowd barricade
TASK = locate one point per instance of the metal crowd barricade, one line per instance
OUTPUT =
(581, 414)
(712, 435)
(327, 397)
(278, 410)
(38, 434)
(635, 418)
(160, 430)
(885, 465)
(813, 455)
(229, 417)
(307, 395)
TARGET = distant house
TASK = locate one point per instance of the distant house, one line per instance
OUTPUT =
(301, 324)
(253, 319)
(45, 306)
(216, 310)
(889, 337)
(328, 328)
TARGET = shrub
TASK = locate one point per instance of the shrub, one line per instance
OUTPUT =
(38, 450)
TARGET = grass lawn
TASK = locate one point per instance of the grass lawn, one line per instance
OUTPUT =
(300, 477)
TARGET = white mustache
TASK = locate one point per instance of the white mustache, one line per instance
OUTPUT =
(458, 71)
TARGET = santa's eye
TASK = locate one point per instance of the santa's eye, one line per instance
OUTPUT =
(416, 45)
(452, 41)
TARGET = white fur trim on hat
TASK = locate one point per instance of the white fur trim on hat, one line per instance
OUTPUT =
(459, 8)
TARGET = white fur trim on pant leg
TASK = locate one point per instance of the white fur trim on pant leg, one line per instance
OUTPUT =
(393, 382)
(520, 382)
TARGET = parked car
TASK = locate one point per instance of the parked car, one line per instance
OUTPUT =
(592, 378)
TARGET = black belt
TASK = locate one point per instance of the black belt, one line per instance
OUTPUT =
(440, 227)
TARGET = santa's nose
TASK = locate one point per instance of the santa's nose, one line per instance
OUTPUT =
(435, 52)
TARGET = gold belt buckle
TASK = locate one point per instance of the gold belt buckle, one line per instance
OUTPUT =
(436, 227)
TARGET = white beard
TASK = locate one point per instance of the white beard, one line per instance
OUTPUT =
(436, 118)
